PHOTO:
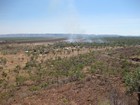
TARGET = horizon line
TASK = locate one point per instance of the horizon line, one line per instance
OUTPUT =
(65, 34)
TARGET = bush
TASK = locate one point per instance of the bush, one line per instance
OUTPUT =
(3, 61)
(20, 80)
(93, 69)
(132, 80)
(34, 88)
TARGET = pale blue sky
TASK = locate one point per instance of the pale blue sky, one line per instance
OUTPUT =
(70, 16)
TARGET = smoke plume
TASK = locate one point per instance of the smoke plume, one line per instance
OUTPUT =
(71, 18)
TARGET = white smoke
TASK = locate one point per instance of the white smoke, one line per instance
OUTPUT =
(71, 18)
(54, 4)
(73, 25)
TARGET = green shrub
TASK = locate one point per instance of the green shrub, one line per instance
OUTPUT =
(44, 85)
(34, 88)
(3, 61)
(93, 69)
(132, 80)
(20, 80)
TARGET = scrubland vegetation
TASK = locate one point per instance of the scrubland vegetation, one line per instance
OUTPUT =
(78, 73)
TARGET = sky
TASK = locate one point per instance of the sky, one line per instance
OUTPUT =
(70, 16)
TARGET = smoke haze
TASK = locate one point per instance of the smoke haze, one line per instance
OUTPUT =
(71, 19)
